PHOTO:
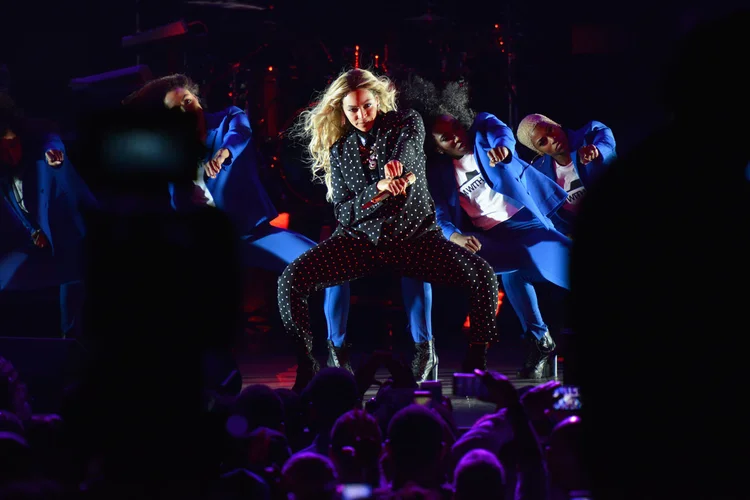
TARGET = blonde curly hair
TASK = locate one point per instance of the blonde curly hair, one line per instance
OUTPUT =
(325, 123)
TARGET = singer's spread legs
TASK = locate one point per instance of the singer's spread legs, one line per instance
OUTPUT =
(341, 258)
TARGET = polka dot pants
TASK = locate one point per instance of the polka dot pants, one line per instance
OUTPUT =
(429, 258)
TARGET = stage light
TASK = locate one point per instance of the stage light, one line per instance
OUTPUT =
(500, 295)
(282, 221)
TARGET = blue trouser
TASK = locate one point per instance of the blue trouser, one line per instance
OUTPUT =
(272, 248)
(523, 252)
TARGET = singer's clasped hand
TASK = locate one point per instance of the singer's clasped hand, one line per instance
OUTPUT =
(394, 186)
(393, 169)
(393, 183)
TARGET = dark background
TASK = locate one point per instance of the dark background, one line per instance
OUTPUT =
(572, 61)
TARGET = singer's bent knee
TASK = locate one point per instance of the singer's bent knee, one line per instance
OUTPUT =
(483, 269)
(294, 275)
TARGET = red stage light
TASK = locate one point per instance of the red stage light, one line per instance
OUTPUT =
(500, 295)
(282, 221)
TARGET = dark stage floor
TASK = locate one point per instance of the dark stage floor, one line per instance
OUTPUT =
(278, 370)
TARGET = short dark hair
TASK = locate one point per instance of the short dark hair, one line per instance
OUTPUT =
(360, 431)
(415, 424)
(333, 392)
(261, 406)
(479, 471)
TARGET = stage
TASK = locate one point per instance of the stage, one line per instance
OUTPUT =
(278, 370)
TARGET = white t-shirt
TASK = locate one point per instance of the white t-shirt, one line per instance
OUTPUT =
(485, 206)
(568, 179)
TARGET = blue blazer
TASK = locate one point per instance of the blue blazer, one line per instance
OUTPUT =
(237, 189)
(595, 133)
(55, 198)
(513, 177)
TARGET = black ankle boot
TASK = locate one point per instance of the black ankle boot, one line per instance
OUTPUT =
(307, 366)
(338, 357)
(424, 366)
(537, 365)
(476, 357)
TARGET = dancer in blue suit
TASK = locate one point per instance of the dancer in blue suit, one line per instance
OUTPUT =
(574, 159)
(41, 224)
(229, 180)
(492, 203)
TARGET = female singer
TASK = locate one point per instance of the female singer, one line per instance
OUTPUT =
(363, 147)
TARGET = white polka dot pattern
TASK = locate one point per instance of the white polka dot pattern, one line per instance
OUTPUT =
(400, 136)
(398, 234)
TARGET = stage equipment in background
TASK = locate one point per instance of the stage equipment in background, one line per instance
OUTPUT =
(172, 30)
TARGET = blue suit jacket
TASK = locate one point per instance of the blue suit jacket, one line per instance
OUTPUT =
(514, 178)
(237, 189)
(54, 197)
(595, 133)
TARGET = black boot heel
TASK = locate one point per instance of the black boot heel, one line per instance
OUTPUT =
(551, 371)
(434, 372)
(424, 366)
(339, 357)
(541, 361)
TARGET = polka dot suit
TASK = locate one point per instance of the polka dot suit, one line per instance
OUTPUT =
(399, 234)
